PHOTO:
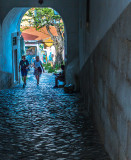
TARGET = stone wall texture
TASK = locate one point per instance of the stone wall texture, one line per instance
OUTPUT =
(5, 80)
(106, 87)
(103, 14)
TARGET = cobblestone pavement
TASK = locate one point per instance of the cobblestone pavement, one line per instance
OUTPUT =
(42, 123)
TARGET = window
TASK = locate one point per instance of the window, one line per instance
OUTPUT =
(14, 41)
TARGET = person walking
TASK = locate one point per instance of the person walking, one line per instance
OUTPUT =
(24, 66)
(38, 69)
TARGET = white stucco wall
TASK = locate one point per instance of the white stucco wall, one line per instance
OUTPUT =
(10, 25)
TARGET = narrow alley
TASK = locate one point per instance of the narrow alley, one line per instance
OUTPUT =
(42, 123)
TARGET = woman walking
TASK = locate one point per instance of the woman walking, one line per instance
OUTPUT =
(38, 69)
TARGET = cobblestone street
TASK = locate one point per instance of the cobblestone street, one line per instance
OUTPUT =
(42, 123)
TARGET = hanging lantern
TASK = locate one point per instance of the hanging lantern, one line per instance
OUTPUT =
(41, 1)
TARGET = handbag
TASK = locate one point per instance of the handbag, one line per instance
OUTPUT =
(28, 69)
(39, 69)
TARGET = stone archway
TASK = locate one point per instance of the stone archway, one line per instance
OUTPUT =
(10, 30)
(11, 24)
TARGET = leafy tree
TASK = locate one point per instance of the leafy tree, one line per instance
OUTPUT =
(45, 17)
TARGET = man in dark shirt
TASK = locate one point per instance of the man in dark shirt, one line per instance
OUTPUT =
(24, 65)
(60, 76)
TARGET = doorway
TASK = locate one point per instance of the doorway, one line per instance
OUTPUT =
(15, 59)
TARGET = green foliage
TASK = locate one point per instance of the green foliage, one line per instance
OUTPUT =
(41, 46)
(43, 64)
(51, 69)
(23, 29)
(57, 66)
(44, 17)
(47, 66)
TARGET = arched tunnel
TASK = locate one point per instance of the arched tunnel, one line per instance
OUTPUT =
(93, 122)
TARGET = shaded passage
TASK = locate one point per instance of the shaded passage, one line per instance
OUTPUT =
(42, 123)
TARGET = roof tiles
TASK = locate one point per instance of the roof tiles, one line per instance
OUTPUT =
(32, 34)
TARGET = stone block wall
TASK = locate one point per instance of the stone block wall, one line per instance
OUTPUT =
(5, 80)
(106, 87)
(102, 15)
